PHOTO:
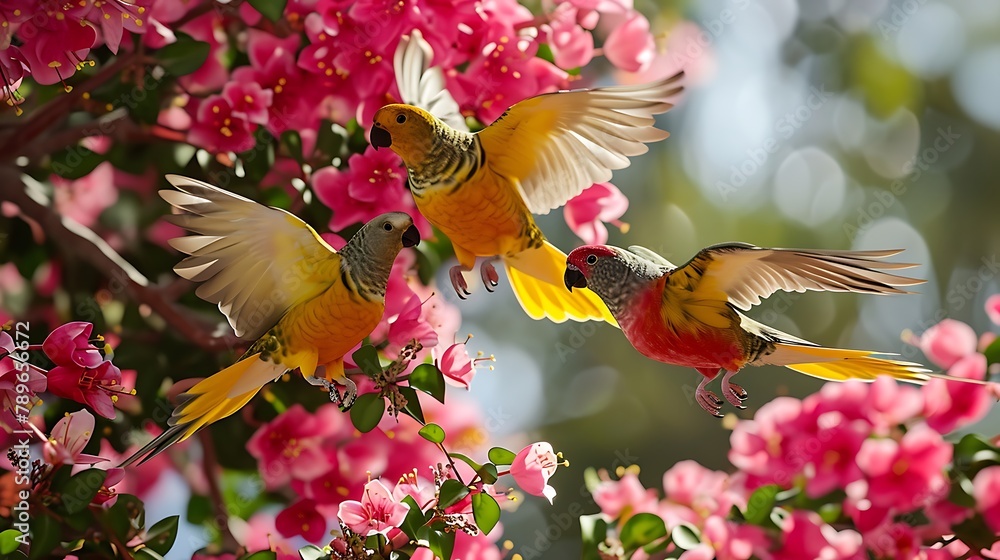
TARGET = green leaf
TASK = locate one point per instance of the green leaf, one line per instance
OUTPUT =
(830, 513)
(367, 412)
(452, 492)
(330, 140)
(432, 433)
(199, 509)
(992, 352)
(257, 161)
(126, 517)
(642, 529)
(685, 537)
(81, 488)
(961, 491)
(488, 473)
(183, 56)
(486, 511)
(9, 542)
(271, 9)
(366, 358)
(467, 460)
(594, 531)
(293, 141)
(429, 379)
(44, 536)
(501, 456)
(412, 407)
(414, 519)
(974, 533)
(75, 162)
(311, 552)
(160, 537)
(442, 543)
(262, 555)
(147, 554)
(760, 504)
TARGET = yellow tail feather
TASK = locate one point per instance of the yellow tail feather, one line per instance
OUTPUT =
(836, 364)
(536, 275)
(212, 399)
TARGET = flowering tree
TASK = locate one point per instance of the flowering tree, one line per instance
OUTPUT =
(272, 99)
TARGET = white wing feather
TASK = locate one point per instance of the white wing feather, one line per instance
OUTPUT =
(254, 261)
(424, 86)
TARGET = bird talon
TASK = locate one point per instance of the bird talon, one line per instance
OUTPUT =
(490, 277)
(710, 403)
(458, 282)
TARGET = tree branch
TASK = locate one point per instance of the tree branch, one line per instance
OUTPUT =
(80, 241)
(210, 465)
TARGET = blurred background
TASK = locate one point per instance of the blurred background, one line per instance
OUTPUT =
(831, 124)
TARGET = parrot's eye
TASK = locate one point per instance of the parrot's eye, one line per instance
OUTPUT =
(387, 226)
(591, 259)
(401, 119)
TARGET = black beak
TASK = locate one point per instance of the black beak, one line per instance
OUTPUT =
(380, 137)
(411, 237)
(574, 278)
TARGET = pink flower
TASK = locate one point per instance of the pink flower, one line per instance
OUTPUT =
(572, 46)
(831, 453)
(212, 75)
(586, 212)
(301, 518)
(70, 345)
(84, 199)
(893, 540)
(532, 468)
(952, 404)
(907, 472)
(114, 16)
(703, 490)
(377, 512)
(725, 540)
(948, 342)
(217, 129)
(457, 366)
(68, 438)
(373, 184)
(95, 387)
(289, 447)
(806, 536)
(763, 447)
(630, 46)
(259, 533)
(409, 325)
(993, 308)
(248, 101)
(986, 490)
(14, 373)
(56, 50)
(889, 404)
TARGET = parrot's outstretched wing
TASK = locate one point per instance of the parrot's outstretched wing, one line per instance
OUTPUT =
(421, 85)
(558, 144)
(254, 261)
(744, 274)
(651, 255)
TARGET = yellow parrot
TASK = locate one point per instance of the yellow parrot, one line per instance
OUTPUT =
(481, 189)
(278, 283)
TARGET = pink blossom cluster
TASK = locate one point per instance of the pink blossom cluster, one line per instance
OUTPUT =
(339, 474)
(54, 39)
(875, 452)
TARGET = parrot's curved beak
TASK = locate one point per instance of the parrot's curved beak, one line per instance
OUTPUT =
(574, 278)
(380, 137)
(411, 237)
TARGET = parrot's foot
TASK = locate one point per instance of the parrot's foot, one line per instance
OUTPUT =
(733, 392)
(458, 282)
(350, 395)
(490, 277)
(707, 400)
(344, 401)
